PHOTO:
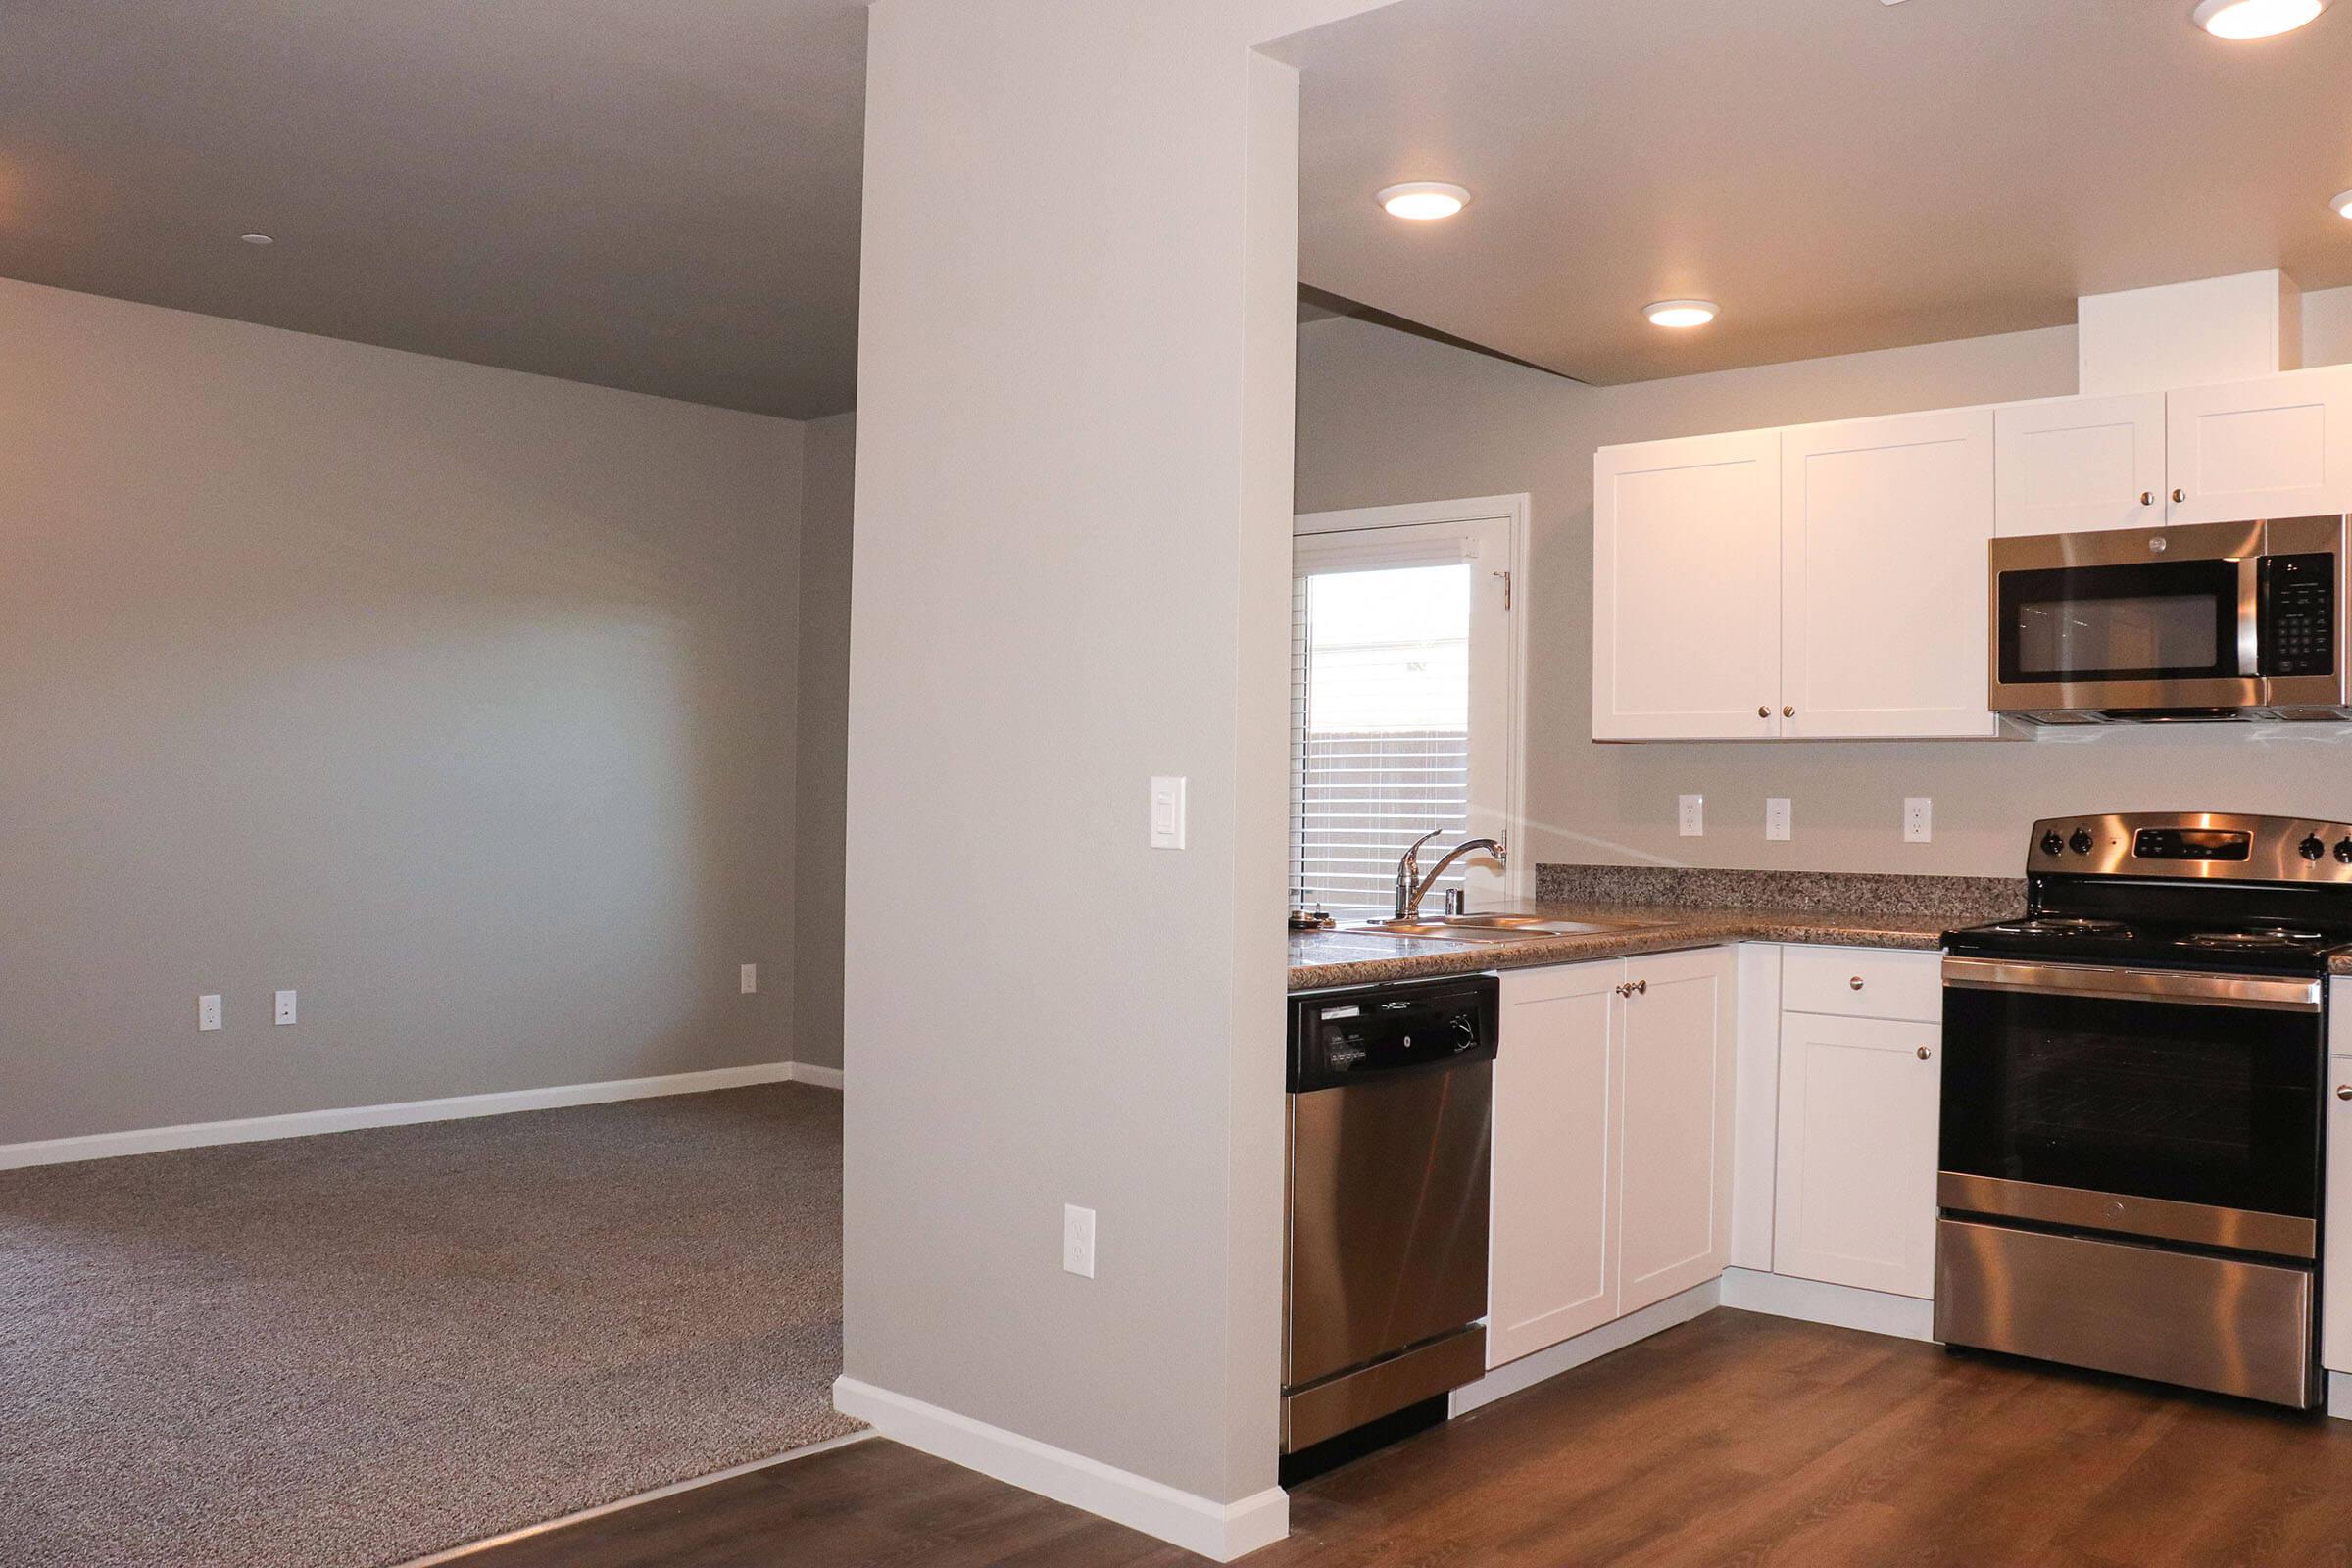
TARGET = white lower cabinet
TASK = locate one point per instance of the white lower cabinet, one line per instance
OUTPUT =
(1854, 1199)
(1612, 1143)
(2335, 1262)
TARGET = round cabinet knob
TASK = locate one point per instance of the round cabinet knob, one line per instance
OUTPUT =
(2311, 849)
(1925, 1052)
(1855, 984)
(1763, 713)
(2344, 1090)
(2180, 495)
(1642, 986)
(2081, 841)
(2147, 498)
(2052, 843)
(1789, 712)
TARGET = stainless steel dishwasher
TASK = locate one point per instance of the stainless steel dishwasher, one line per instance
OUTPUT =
(1384, 1266)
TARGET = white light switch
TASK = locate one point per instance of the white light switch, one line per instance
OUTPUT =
(1078, 1241)
(749, 977)
(1167, 813)
(286, 1008)
(1693, 817)
(208, 1013)
(1919, 820)
(1777, 817)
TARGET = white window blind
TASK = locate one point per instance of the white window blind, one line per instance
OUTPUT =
(1382, 704)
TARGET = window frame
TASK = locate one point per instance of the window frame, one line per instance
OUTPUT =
(1519, 874)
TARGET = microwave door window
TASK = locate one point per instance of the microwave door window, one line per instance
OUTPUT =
(2060, 638)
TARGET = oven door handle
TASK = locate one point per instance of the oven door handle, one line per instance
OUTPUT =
(2191, 987)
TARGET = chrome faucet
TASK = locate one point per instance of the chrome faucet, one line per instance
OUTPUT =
(1412, 887)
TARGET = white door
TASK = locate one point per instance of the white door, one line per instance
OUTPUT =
(2076, 465)
(1549, 1247)
(2281, 447)
(1686, 589)
(1402, 708)
(1675, 1094)
(2335, 1269)
(1885, 525)
(1854, 1202)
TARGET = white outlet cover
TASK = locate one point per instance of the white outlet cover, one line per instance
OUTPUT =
(208, 1013)
(1778, 817)
(748, 978)
(286, 1014)
(1691, 816)
(1078, 1241)
(1919, 820)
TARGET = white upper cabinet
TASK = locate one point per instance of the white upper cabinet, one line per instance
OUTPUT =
(2074, 465)
(1883, 527)
(2281, 447)
(1686, 603)
(1674, 1124)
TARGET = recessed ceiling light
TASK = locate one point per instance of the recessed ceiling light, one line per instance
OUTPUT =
(2254, 19)
(1680, 313)
(1423, 199)
(2341, 201)
(257, 239)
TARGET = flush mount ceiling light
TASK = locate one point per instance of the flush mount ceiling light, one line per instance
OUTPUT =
(1423, 200)
(2254, 19)
(2341, 201)
(257, 239)
(1680, 313)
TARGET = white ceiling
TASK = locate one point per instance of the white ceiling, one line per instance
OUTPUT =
(661, 195)
(1840, 174)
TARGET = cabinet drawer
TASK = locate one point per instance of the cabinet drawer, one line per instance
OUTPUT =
(1863, 983)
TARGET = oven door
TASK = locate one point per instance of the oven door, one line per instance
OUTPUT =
(2173, 1104)
(2127, 619)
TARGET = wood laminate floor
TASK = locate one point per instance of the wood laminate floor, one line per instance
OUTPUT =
(1735, 1438)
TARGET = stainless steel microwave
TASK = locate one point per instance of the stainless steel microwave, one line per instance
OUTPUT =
(2215, 620)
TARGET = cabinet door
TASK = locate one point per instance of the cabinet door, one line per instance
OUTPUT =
(1686, 589)
(1675, 1096)
(1548, 1250)
(1883, 529)
(2073, 465)
(1855, 1199)
(2335, 1268)
(2281, 447)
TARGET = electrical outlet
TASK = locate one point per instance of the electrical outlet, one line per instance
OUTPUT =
(748, 976)
(1919, 820)
(286, 1008)
(208, 1013)
(1693, 817)
(1078, 1241)
(1777, 815)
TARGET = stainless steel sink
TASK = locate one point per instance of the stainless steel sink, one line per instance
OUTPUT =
(1493, 927)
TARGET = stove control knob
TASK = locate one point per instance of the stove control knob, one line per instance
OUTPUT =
(2081, 841)
(2344, 851)
(2312, 849)
(2051, 843)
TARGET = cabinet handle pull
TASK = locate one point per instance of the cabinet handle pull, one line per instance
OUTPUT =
(1925, 1052)
(2180, 495)
(1642, 986)
(1787, 713)
(2147, 498)
(1763, 713)
(2344, 1090)
(1855, 984)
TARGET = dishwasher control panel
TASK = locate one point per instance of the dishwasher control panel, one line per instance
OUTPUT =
(1343, 1037)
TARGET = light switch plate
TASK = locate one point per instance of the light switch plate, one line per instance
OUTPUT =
(208, 1013)
(1078, 1241)
(748, 978)
(1919, 820)
(1692, 816)
(1167, 813)
(286, 1008)
(1776, 814)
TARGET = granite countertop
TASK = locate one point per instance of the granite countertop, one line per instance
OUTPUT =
(1670, 910)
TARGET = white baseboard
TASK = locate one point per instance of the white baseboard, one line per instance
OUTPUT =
(304, 1123)
(1905, 1317)
(2339, 1395)
(1589, 1345)
(804, 1072)
(1217, 1531)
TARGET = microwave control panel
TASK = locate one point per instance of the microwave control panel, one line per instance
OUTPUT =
(2296, 623)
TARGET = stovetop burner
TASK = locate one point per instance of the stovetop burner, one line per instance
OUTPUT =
(2062, 925)
(2256, 937)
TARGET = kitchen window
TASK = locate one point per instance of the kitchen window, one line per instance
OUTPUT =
(1403, 698)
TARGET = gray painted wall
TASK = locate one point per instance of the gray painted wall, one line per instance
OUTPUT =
(1387, 417)
(457, 699)
(821, 800)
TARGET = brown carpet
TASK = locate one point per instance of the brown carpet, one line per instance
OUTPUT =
(354, 1349)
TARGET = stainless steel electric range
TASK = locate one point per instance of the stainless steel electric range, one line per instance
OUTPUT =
(2131, 1124)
